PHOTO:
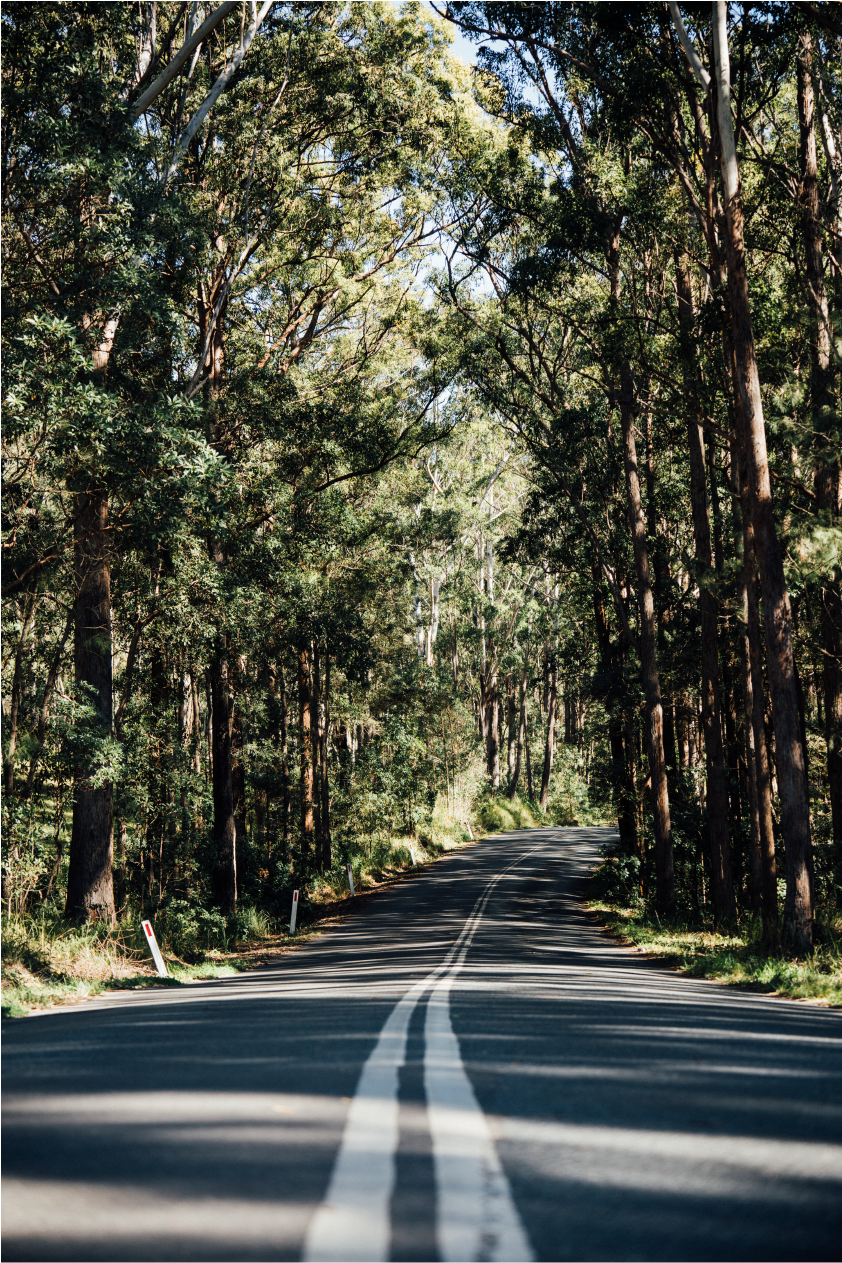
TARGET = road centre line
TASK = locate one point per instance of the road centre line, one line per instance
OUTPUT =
(353, 1222)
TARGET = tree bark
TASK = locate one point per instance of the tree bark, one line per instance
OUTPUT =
(324, 746)
(609, 656)
(90, 879)
(722, 886)
(529, 786)
(521, 734)
(224, 818)
(315, 737)
(664, 862)
(777, 613)
(285, 796)
(511, 727)
(753, 684)
(549, 745)
(306, 759)
(492, 728)
(826, 477)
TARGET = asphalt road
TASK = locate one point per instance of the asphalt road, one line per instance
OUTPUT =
(466, 1069)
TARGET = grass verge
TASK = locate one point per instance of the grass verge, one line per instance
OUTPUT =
(58, 963)
(736, 960)
(47, 961)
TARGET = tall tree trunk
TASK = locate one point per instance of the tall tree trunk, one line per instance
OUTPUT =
(306, 758)
(90, 879)
(238, 773)
(511, 726)
(521, 733)
(285, 796)
(722, 886)
(826, 478)
(324, 747)
(222, 761)
(664, 862)
(609, 660)
(777, 613)
(549, 745)
(315, 737)
(755, 694)
(17, 687)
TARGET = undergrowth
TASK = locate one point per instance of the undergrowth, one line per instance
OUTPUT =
(47, 960)
(698, 949)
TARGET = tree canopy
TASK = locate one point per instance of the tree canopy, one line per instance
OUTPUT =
(386, 439)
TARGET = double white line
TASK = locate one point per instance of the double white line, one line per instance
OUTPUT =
(476, 1217)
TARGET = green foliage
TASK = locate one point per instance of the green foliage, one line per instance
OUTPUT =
(737, 960)
(347, 380)
(499, 814)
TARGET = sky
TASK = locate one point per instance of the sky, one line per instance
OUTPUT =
(461, 47)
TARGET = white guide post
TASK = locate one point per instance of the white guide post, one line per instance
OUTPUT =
(293, 915)
(350, 880)
(154, 948)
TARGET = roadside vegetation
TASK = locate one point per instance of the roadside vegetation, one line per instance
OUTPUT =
(49, 960)
(395, 451)
(690, 941)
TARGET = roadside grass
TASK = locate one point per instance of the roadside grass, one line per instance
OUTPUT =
(736, 960)
(48, 961)
(501, 814)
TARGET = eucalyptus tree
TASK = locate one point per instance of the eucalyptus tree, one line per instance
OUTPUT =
(617, 129)
(95, 280)
(286, 189)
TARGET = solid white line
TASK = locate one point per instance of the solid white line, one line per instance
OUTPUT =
(353, 1222)
(476, 1217)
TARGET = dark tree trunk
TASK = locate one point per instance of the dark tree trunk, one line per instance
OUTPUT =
(549, 744)
(324, 739)
(826, 479)
(90, 878)
(315, 737)
(521, 733)
(492, 722)
(306, 759)
(777, 614)
(224, 817)
(120, 869)
(285, 799)
(238, 776)
(511, 727)
(664, 863)
(611, 667)
(722, 886)
(754, 695)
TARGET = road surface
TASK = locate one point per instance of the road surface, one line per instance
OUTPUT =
(466, 1069)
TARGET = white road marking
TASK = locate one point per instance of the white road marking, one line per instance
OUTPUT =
(476, 1217)
(353, 1222)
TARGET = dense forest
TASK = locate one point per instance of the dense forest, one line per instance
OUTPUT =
(384, 437)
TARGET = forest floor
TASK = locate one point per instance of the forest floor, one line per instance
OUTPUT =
(737, 960)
